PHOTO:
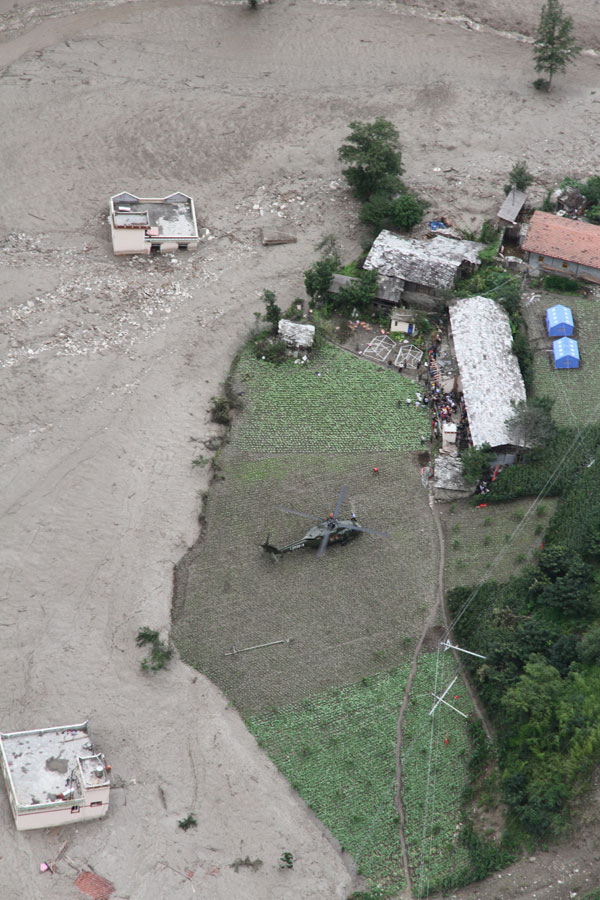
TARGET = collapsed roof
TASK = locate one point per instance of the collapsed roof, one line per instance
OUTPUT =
(489, 371)
(432, 263)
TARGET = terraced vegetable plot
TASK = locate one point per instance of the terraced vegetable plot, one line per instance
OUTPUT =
(504, 536)
(338, 750)
(355, 612)
(576, 391)
(351, 405)
(434, 774)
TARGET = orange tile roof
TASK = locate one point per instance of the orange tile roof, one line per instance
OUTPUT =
(564, 238)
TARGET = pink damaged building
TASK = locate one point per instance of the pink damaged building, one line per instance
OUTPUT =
(53, 776)
(155, 224)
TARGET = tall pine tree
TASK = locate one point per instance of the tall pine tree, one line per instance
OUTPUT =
(554, 44)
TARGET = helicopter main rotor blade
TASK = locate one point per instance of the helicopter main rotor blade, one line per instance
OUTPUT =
(323, 544)
(294, 512)
(368, 530)
(339, 503)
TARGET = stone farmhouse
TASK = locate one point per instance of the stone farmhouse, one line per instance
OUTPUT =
(422, 266)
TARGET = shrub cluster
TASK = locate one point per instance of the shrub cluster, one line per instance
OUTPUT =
(562, 284)
(374, 154)
(160, 653)
(540, 680)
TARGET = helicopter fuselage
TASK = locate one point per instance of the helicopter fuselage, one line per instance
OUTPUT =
(340, 532)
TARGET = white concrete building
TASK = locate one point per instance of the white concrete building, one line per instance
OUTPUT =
(155, 224)
(53, 776)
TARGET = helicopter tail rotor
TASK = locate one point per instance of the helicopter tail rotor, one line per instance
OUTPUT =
(272, 549)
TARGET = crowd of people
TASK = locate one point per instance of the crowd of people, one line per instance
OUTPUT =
(444, 406)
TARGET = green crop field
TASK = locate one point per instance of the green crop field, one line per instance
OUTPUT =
(496, 541)
(336, 402)
(324, 697)
(576, 392)
(434, 774)
(338, 750)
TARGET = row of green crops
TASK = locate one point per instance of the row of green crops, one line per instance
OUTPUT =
(435, 759)
(338, 750)
(335, 402)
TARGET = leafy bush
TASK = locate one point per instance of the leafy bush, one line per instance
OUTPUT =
(561, 284)
(406, 211)
(540, 680)
(375, 211)
(476, 463)
(589, 646)
(359, 294)
(273, 350)
(220, 410)
(161, 652)
(295, 311)
(189, 822)
(548, 205)
(272, 311)
(401, 212)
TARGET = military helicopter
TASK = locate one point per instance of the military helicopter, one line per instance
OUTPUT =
(328, 531)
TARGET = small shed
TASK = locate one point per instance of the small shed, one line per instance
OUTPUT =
(566, 353)
(559, 321)
(511, 208)
(403, 320)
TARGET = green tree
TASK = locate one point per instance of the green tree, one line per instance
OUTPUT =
(375, 211)
(531, 423)
(476, 463)
(564, 583)
(359, 295)
(589, 648)
(406, 211)
(272, 311)
(532, 701)
(317, 279)
(554, 44)
(402, 212)
(374, 154)
(519, 178)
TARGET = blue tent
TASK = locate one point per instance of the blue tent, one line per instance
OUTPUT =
(566, 353)
(559, 321)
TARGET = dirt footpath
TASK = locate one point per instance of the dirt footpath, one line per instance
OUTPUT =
(108, 365)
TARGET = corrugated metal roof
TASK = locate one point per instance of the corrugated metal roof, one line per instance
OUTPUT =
(563, 238)
(489, 371)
